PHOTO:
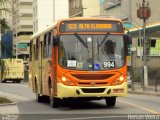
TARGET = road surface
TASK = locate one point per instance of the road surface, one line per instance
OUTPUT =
(129, 107)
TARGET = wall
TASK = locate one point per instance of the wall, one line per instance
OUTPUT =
(91, 8)
(45, 14)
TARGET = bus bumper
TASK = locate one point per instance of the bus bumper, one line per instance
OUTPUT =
(14, 78)
(64, 91)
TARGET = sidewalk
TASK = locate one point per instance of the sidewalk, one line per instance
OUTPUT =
(139, 89)
(8, 108)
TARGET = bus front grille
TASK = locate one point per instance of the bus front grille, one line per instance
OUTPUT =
(95, 83)
(92, 76)
(93, 90)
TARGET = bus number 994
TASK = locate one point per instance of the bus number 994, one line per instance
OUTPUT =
(109, 64)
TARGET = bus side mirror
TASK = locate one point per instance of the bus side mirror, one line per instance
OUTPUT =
(55, 40)
(128, 39)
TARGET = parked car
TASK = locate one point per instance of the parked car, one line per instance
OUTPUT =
(129, 81)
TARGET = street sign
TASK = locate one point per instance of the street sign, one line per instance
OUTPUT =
(133, 49)
(129, 49)
(22, 45)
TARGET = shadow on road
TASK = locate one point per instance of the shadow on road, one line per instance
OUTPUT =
(66, 106)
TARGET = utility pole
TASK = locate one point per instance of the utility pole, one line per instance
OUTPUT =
(144, 13)
(130, 11)
(54, 11)
(16, 40)
(0, 40)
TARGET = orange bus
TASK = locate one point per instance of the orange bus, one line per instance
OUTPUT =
(79, 58)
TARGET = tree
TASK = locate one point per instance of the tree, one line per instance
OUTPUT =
(3, 28)
(3, 10)
(3, 4)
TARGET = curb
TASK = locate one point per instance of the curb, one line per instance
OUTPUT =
(5, 104)
(144, 93)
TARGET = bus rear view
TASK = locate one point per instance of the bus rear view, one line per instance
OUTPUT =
(14, 70)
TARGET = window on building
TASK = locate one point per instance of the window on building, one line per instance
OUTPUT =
(25, 3)
(77, 3)
(140, 42)
(153, 42)
(27, 15)
(73, 4)
(27, 26)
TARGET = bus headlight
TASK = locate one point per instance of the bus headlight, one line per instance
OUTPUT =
(121, 78)
(118, 81)
(66, 81)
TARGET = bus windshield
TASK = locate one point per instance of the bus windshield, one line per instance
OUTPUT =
(91, 52)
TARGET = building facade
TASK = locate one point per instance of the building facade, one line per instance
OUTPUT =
(85, 8)
(22, 19)
(42, 14)
(75, 8)
(47, 12)
(127, 11)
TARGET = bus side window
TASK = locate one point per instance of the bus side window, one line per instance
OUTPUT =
(49, 44)
(30, 55)
(34, 51)
(37, 49)
(45, 46)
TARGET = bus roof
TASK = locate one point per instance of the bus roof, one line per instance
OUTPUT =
(50, 27)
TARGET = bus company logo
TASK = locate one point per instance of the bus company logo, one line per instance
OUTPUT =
(93, 83)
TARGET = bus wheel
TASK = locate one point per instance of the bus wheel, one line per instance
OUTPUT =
(110, 101)
(3, 81)
(38, 97)
(18, 81)
(53, 101)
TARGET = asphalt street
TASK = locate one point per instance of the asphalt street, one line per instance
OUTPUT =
(126, 107)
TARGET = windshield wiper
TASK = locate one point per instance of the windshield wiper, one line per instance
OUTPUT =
(81, 40)
(105, 37)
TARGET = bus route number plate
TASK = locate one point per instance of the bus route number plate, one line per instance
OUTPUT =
(109, 64)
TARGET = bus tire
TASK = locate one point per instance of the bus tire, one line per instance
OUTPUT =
(18, 81)
(3, 81)
(110, 101)
(38, 97)
(53, 101)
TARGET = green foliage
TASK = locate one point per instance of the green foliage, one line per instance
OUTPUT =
(3, 10)
(3, 28)
(6, 49)
(2, 67)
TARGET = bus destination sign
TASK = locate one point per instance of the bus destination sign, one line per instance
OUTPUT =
(91, 26)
